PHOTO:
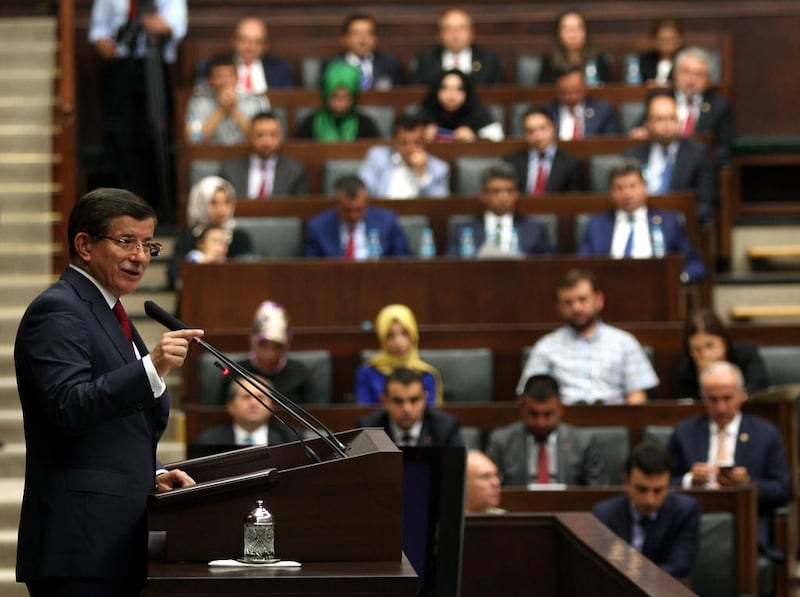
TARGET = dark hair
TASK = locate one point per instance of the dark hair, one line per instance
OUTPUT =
(94, 212)
(573, 276)
(623, 168)
(656, 94)
(349, 184)
(705, 320)
(402, 375)
(407, 122)
(569, 69)
(665, 22)
(559, 54)
(233, 387)
(357, 16)
(499, 169)
(206, 230)
(541, 388)
(650, 458)
(225, 59)
(264, 116)
(536, 110)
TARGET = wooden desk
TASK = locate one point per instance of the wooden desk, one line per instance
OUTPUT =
(329, 579)
(334, 292)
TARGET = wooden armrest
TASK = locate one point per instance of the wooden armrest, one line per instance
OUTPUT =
(773, 251)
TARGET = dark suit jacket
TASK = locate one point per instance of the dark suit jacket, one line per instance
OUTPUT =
(648, 65)
(600, 231)
(692, 171)
(384, 68)
(290, 176)
(487, 68)
(758, 448)
(744, 355)
(672, 539)
(438, 428)
(91, 429)
(716, 117)
(276, 70)
(578, 460)
(599, 118)
(532, 236)
(548, 74)
(323, 239)
(223, 435)
(565, 171)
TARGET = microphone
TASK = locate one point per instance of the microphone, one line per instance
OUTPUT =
(296, 411)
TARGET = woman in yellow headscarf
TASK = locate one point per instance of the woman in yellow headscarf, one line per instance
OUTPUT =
(398, 335)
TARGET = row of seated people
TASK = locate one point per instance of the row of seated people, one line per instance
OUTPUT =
(352, 229)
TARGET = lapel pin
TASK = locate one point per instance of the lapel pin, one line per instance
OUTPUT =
(588, 113)
(476, 66)
(705, 107)
(743, 437)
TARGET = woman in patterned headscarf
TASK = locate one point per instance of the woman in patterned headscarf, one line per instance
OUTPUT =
(396, 328)
(338, 119)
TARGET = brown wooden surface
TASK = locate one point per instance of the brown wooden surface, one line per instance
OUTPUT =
(742, 502)
(337, 292)
(555, 554)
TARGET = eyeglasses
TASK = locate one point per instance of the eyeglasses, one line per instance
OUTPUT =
(133, 245)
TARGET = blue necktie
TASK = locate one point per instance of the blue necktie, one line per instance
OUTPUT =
(365, 81)
(629, 244)
(666, 176)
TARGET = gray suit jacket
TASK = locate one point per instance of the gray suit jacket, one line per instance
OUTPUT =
(290, 176)
(578, 460)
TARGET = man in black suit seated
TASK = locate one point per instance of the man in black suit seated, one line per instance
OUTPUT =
(251, 423)
(359, 39)
(543, 167)
(576, 114)
(662, 525)
(406, 416)
(456, 51)
(265, 172)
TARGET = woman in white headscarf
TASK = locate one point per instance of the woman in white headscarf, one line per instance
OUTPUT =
(211, 203)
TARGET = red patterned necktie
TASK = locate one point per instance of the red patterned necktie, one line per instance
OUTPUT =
(541, 177)
(691, 120)
(122, 317)
(543, 472)
(350, 247)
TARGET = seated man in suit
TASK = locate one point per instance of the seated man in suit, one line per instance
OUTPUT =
(726, 448)
(353, 229)
(251, 422)
(482, 490)
(265, 172)
(540, 449)
(499, 231)
(258, 69)
(456, 50)
(660, 524)
(406, 416)
(359, 39)
(543, 167)
(575, 114)
(592, 361)
(632, 229)
(672, 163)
(405, 170)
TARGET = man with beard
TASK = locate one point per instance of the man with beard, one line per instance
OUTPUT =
(539, 448)
(593, 362)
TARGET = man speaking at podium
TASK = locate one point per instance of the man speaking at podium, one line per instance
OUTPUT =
(94, 404)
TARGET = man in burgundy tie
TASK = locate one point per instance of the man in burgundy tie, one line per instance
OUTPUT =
(574, 111)
(95, 404)
(540, 449)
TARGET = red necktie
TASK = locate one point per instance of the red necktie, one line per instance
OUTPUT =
(248, 80)
(350, 247)
(543, 468)
(576, 128)
(132, 10)
(122, 317)
(541, 178)
(263, 192)
(691, 120)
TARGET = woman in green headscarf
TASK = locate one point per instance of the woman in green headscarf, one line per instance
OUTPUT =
(338, 119)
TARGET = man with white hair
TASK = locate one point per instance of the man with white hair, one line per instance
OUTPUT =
(726, 448)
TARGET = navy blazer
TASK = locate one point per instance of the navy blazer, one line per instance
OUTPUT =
(692, 171)
(384, 69)
(91, 429)
(716, 117)
(438, 428)
(223, 435)
(487, 68)
(759, 449)
(672, 539)
(323, 235)
(600, 231)
(531, 235)
(599, 117)
(565, 171)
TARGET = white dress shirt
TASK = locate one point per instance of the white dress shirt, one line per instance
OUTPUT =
(404, 182)
(414, 432)
(257, 173)
(258, 78)
(505, 224)
(464, 60)
(566, 121)
(642, 248)
(656, 162)
(259, 436)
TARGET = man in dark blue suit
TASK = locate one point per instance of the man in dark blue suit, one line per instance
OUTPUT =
(499, 231)
(359, 40)
(725, 448)
(345, 230)
(406, 416)
(673, 163)
(662, 525)
(259, 70)
(632, 229)
(575, 114)
(94, 404)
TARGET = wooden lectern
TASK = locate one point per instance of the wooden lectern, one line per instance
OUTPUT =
(338, 510)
